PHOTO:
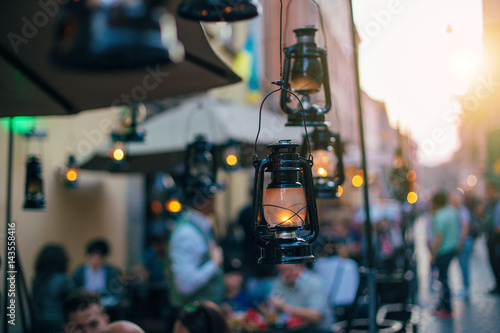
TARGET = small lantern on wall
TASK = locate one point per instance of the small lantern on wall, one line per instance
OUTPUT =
(71, 179)
(328, 167)
(286, 206)
(231, 156)
(34, 197)
(118, 155)
(305, 71)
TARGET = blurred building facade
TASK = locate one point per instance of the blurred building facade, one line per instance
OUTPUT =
(479, 156)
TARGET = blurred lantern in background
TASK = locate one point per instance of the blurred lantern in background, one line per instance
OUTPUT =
(219, 10)
(305, 71)
(34, 197)
(117, 154)
(401, 179)
(116, 34)
(231, 155)
(131, 116)
(286, 206)
(328, 165)
(71, 173)
(200, 171)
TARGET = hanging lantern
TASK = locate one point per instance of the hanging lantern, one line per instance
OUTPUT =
(200, 161)
(218, 10)
(200, 177)
(118, 155)
(131, 117)
(231, 156)
(71, 174)
(116, 34)
(305, 71)
(285, 207)
(34, 198)
(328, 165)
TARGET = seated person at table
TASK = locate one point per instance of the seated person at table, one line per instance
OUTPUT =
(340, 275)
(84, 312)
(98, 276)
(50, 288)
(201, 317)
(299, 294)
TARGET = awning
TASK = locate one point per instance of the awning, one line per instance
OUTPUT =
(31, 85)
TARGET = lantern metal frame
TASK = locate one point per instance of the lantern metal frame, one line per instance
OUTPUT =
(285, 246)
(219, 10)
(307, 112)
(322, 139)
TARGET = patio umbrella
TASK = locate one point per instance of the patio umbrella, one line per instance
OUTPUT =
(31, 84)
(168, 133)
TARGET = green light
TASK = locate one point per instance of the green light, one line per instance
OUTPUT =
(22, 125)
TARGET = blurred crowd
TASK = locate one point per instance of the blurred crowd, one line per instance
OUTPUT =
(188, 279)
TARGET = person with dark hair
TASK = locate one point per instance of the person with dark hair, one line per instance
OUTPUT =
(446, 231)
(50, 287)
(201, 317)
(83, 312)
(98, 276)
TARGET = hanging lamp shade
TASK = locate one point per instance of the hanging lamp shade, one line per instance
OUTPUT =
(218, 10)
(115, 34)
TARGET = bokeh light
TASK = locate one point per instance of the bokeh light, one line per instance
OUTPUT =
(412, 197)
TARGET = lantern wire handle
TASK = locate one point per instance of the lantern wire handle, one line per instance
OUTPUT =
(280, 84)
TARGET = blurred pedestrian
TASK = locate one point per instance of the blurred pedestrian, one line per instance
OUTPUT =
(446, 230)
(50, 287)
(97, 275)
(84, 312)
(492, 228)
(466, 243)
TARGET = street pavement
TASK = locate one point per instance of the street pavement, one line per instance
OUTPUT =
(480, 313)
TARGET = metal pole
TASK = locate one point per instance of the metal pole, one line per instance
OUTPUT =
(372, 308)
(8, 219)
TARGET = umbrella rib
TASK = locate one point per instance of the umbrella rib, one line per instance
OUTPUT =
(36, 79)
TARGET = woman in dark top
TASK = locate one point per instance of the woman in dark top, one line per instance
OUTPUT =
(51, 286)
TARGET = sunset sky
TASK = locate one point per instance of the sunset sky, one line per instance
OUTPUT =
(417, 56)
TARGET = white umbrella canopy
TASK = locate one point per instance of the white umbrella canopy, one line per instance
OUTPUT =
(168, 134)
